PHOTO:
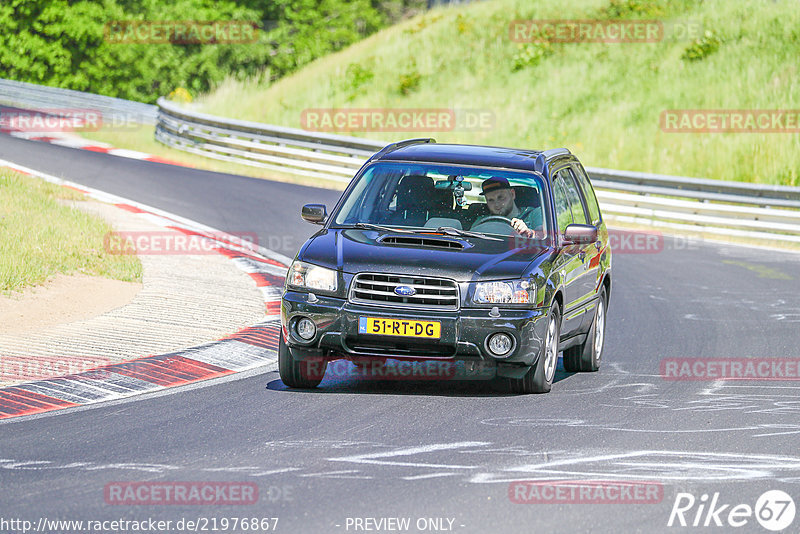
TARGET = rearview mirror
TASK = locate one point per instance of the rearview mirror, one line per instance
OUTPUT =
(452, 183)
(580, 234)
(314, 213)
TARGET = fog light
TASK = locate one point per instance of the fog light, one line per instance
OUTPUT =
(500, 344)
(306, 328)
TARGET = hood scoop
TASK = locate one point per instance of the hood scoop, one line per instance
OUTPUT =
(421, 241)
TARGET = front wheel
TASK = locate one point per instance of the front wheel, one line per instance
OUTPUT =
(539, 379)
(299, 373)
(586, 356)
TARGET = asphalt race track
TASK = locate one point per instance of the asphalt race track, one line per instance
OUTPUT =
(426, 450)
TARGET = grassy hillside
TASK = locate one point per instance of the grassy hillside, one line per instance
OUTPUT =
(602, 101)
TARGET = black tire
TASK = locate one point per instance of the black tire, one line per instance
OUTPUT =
(586, 356)
(539, 379)
(299, 373)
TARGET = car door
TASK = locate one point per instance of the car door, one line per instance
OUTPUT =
(587, 252)
(594, 251)
(568, 263)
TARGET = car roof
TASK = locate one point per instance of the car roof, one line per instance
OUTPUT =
(484, 156)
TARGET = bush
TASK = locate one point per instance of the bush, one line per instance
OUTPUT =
(409, 81)
(356, 75)
(702, 47)
(62, 43)
(530, 55)
(180, 95)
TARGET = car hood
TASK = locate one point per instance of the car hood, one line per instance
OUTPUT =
(355, 250)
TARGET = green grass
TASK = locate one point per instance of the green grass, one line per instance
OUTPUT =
(602, 101)
(41, 237)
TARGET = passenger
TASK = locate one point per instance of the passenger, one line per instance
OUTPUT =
(501, 201)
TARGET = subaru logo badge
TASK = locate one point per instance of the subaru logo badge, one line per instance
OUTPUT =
(405, 291)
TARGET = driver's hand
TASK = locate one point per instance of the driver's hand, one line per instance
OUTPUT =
(521, 228)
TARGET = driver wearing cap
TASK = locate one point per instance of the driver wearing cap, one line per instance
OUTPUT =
(501, 202)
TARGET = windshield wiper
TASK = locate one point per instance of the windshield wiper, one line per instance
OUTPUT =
(449, 230)
(370, 226)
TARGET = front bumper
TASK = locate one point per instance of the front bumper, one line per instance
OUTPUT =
(463, 332)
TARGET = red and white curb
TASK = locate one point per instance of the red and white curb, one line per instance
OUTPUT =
(247, 349)
(73, 141)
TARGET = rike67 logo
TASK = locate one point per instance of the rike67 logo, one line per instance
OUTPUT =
(774, 510)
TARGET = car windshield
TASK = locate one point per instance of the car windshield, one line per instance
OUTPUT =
(433, 196)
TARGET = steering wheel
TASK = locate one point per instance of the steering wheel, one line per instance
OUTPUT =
(495, 218)
(538, 234)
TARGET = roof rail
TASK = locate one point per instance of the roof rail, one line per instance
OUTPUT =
(400, 144)
(553, 152)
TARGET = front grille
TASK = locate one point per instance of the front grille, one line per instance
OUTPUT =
(431, 293)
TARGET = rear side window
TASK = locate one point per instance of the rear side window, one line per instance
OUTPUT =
(588, 193)
(578, 213)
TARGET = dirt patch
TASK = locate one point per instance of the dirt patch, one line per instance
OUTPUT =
(63, 299)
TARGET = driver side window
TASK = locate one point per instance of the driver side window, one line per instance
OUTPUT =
(563, 212)
(578, 213)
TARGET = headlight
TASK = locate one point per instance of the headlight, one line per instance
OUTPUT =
(302, 274)
(510, 292)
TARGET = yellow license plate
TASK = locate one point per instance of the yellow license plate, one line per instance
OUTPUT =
(399, 327)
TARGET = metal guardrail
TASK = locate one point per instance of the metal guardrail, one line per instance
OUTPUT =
(734, 209)
(114, 110)
(681, 203)
(316, 155)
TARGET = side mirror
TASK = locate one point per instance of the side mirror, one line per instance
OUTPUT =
(580, 234)
(314, 213)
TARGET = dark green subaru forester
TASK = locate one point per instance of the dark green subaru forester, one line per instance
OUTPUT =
(475, 255)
